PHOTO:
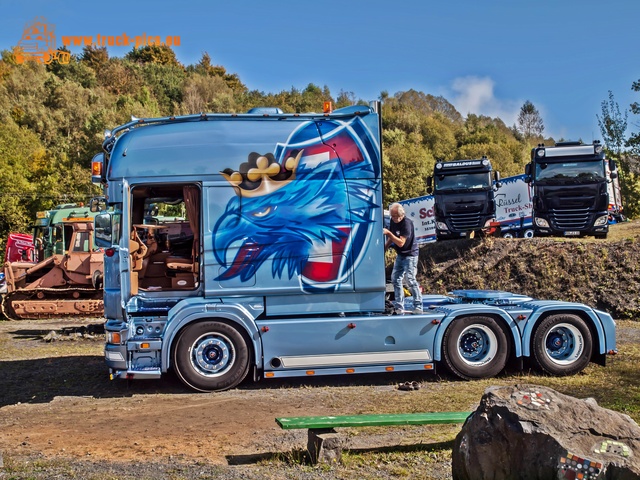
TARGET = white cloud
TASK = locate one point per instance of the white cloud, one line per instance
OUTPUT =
(475, 95)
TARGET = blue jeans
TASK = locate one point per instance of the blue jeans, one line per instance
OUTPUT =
(405, 267)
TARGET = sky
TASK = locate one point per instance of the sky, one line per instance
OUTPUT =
(485, 56)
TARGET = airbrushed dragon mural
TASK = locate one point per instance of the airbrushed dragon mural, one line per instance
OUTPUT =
(309, 206)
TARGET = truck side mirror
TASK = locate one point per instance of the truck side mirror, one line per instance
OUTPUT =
(613, 166)
(103, 230)
(496, 176)
(613, 175)
(97, 204)
(429, 184)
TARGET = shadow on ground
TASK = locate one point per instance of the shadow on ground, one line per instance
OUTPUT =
(299, 456)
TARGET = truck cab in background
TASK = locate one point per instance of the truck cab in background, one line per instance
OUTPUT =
(570, 189)
(52, 228)
(464, 197)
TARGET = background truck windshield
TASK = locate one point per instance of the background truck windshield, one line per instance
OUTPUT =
(570, 172)
(465, 181)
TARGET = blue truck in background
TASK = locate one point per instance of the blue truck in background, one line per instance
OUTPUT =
(266, 260)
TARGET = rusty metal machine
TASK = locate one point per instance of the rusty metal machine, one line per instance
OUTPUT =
(68, 284)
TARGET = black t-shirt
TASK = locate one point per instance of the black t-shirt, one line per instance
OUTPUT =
(404, 228)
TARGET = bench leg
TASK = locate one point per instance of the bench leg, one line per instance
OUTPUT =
(324, 446)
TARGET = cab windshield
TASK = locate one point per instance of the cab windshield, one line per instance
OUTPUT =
(570, 173)
(463, 182)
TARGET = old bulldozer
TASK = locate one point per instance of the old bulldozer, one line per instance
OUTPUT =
(62, 285)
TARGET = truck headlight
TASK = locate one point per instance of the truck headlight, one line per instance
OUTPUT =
(441, 226)
(600, 221)
(541, 222)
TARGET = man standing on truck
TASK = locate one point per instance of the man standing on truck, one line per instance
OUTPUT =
(401, 236)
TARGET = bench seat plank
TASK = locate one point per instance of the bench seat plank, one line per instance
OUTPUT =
(372, 420)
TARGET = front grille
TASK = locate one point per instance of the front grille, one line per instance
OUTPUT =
(574, 219)
(465, 221)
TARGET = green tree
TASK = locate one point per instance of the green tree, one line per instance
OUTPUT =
(634, 139)
(205, 67)
(157, 54)
(206, 94)
(530, 122)
(613, 125)
(95, 57)
(18, 149)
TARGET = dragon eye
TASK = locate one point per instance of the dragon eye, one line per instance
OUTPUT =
(262, 213)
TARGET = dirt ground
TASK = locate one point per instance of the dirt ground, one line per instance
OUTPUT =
(66, 406)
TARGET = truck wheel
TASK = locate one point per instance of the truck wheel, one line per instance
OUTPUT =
(507, 235)
(475, 347)
(529, 233)
(211, 356)
(562, 345)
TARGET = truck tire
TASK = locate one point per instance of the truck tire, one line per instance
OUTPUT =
(475, 347)
(211, 356)
(562, 345)
(507, 235)
(529, 233)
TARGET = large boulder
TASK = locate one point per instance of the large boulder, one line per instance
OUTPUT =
(532, 432)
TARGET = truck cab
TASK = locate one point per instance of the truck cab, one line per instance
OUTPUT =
(570, 189)
(252, 245)
(464, 197)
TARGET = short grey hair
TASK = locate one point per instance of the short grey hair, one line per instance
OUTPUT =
(398, 207)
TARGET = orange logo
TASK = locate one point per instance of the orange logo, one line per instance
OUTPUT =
(38, 44)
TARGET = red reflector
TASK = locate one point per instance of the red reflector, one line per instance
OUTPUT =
(110, 252)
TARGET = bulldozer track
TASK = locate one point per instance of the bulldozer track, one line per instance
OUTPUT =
(21, 304)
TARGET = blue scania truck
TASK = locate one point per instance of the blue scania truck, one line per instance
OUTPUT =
(265, 260)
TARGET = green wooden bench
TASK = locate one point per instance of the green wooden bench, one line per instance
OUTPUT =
(324, 444)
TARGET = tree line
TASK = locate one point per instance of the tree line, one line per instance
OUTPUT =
(52, 119)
